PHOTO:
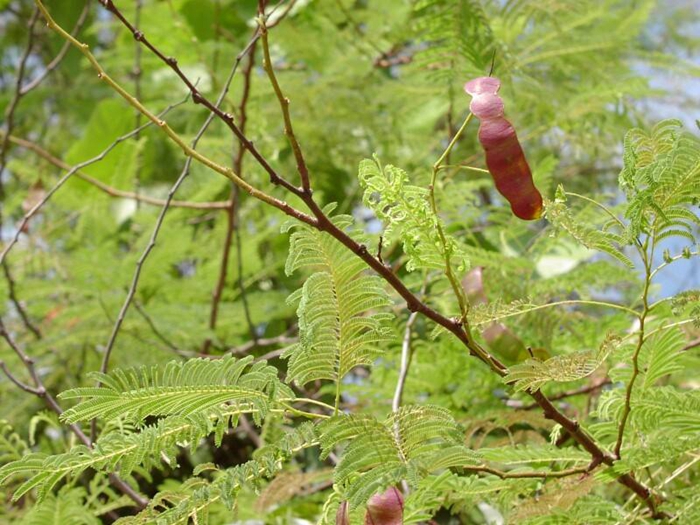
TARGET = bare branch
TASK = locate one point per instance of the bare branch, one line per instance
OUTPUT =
(17, 303)
(35, 209)
(232, 222)
(12, 106)
(198, 98)
(20, 384)
(110, 190)
(51, 66)
(284, 106)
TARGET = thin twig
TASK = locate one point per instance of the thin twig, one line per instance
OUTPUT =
(152, 325)
(137, 74)
(35, 209)
(635, 355)
(446, 250)
(284, 106)
(691, 344)
(51, 66)
(17, 96)
(405, 362)
(283, 339)
(20, 384)
(110, 190)
(232, 223)
(527, 474)
(17, 303)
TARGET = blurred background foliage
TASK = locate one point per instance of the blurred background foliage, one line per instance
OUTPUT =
(363, 77)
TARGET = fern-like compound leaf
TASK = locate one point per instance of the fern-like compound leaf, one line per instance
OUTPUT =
(341, 323)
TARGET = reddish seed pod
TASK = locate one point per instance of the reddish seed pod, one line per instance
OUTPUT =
(386, 508)
(342, 516)
(504, 156)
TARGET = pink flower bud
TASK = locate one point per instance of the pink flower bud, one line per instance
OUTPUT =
(386, 508)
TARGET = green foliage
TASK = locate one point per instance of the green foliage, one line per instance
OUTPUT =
(409, 219)
(182, 389)
(408, 445)
(64, 507)
(599, 240)
(662, 178)
(339, 328)
(243, 389)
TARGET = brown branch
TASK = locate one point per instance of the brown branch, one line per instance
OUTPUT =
(39, 390)
(568, 393)
(137, 74)
(284, 106)
(16, 302)
(12, 106)
(232, 224)
(20, 384)
(198, 98)
(110, 190)
(691, 344)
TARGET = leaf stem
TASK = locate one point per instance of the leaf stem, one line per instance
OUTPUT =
(560, 303)
(640, 342)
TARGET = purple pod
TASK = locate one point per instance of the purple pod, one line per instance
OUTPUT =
(504, 156)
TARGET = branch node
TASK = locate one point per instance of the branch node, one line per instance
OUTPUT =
(138, 35)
